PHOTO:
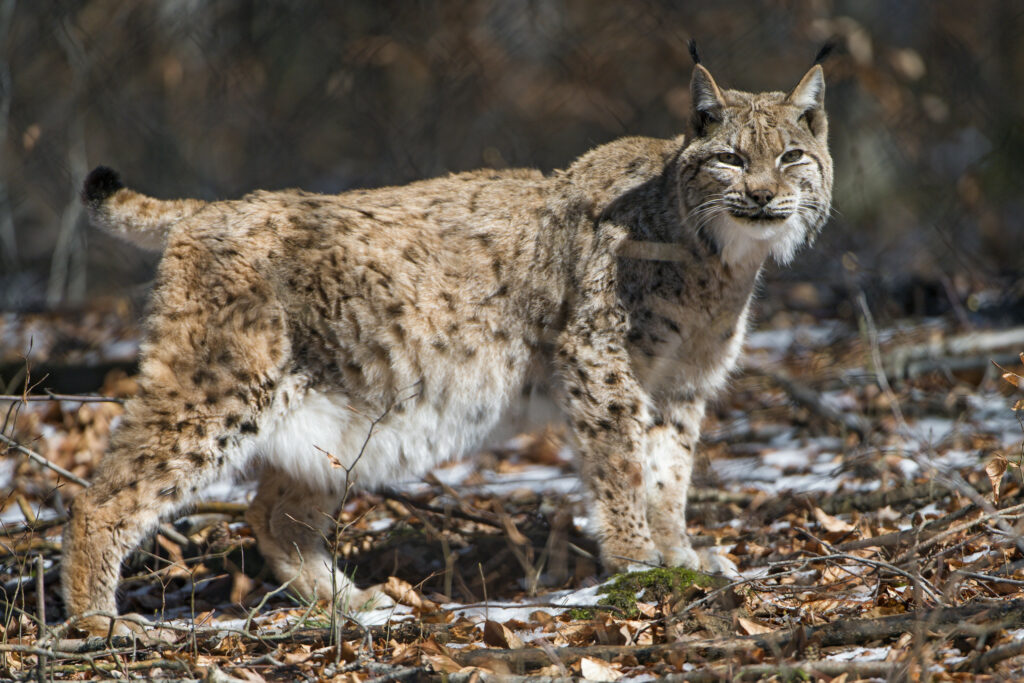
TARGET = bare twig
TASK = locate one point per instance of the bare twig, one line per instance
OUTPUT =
(42, 461)
(932, 591)
(987, 660)
(41, 616)
(816, 403)
(50, 396)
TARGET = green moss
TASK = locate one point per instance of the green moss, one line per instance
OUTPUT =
(580, 614)
(652, 585)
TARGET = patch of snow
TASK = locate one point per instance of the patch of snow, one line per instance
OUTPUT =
(974, 557)
(861, 654)
(770, 340)
(932, 429)
(13, 514)
(454, 473)
(504, 611)
(380, 524)
(787, 458)
(126, 349)
(908, 468)
(7, 468)
(781, 340)
(784, 439)
(841, 400)
(956, 459)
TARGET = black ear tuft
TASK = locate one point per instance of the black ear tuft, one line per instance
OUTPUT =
(694, 55)
(827, 49)
(100, 184)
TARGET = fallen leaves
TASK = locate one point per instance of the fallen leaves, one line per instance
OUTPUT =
(458, 557)
(598, 670)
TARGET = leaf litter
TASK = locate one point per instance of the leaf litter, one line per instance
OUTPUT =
(844, 557)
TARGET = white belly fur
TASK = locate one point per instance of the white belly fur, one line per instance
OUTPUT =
(305, 423)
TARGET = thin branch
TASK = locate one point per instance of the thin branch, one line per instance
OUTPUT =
(43, 461)
(50, 396)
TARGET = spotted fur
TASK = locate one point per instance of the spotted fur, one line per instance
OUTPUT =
(390, 328)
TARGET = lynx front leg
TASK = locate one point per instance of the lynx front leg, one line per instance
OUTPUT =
(671, 445)
(608, 409)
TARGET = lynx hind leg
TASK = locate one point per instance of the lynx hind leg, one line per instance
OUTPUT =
(212, 359)
(294, 526)
(152, 470)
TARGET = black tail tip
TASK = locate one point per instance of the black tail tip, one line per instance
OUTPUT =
(100, 184)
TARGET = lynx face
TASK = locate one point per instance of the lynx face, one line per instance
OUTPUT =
(760, 172)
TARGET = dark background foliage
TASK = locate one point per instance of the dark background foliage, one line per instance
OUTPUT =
(213, 99)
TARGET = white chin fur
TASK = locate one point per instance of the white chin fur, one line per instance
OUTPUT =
(746, 244)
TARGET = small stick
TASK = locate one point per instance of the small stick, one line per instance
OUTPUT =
(41, 615)
(813, 401)
(50, 396)
(43, 461)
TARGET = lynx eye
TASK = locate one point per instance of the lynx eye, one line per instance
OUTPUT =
(792, 155)
(729, 159)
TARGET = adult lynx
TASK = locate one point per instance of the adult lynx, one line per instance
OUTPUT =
(284, 322)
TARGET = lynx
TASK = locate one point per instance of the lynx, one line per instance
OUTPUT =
(285, 325)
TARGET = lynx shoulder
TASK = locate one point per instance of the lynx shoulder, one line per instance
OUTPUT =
(284, 323)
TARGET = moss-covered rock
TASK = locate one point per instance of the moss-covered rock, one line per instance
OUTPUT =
(653, 585)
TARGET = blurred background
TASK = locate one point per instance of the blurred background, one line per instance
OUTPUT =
(214, 98)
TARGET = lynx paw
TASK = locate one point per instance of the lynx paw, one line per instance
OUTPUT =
(128, 626)
(631, 557)
(682, 556)
(369, 599)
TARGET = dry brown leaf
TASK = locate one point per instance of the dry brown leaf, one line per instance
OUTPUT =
(543, 618)
(1019, 405)
(751, 628)
(247, 675)
(648, 609)
(1011, 376)
(513, 533)
(830, 523)
(598, 670)
(402, 592)
(443, 663)
(335, 463)
(995, 469)
(499, 635)
(297, 656)
(241, 586)
(609, 633)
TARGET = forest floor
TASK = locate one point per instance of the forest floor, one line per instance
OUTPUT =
(859, 494)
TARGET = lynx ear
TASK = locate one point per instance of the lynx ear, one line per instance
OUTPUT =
(708, 103)
(809, 97)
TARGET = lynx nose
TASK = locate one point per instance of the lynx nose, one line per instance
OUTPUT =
(762, 197)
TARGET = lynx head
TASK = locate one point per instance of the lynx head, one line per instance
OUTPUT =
(756, 176)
